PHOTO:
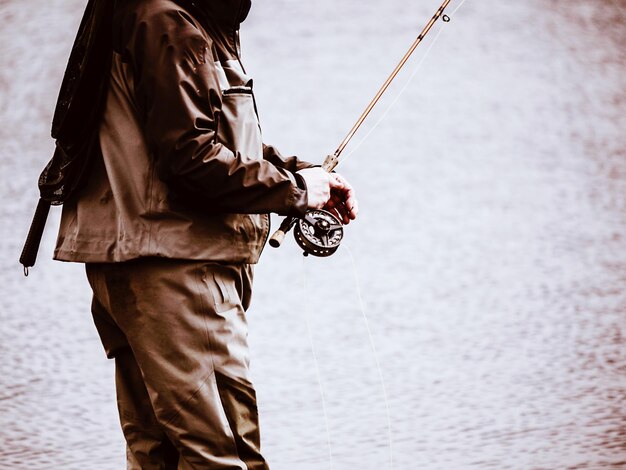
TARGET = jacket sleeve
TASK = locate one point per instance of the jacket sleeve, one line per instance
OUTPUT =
(291, 164)
(179, 101)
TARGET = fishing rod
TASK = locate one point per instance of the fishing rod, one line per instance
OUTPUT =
(320, 232)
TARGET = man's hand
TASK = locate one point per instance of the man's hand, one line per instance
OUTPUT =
(342, 201)
(330, 191)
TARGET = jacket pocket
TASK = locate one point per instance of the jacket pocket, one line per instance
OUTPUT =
(238, 127)
(222, 294)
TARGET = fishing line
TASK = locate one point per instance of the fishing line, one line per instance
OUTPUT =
(278, 237)
(446, 19)
(374, 351)
(316, 364)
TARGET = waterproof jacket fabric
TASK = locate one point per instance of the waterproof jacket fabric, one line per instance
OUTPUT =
(183, 172)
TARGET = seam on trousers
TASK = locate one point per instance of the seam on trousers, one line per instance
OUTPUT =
(232, 434)
(205, 313)
(193, 394)
(221, 390)
(203, 381)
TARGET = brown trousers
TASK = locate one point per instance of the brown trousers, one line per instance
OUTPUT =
(178, 332)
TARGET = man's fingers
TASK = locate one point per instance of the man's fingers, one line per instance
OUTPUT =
(343, 211)
(351, 205)
(343, 198)
(350, 212)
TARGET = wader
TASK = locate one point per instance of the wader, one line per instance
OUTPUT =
(177, 330)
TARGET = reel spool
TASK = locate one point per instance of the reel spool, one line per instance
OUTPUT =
(318, 233)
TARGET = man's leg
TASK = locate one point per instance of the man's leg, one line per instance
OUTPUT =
(185, 323)
(148, 448)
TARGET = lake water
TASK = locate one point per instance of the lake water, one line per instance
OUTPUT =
(489, 256)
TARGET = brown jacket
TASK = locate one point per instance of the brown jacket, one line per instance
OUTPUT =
(184, 173)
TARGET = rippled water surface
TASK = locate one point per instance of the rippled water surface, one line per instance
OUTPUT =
(490, 254)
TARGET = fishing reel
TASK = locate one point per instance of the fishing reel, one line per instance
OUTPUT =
(318, 233)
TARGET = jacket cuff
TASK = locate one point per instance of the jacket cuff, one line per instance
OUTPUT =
(300, 198)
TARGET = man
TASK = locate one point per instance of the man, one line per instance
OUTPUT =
(169, 223)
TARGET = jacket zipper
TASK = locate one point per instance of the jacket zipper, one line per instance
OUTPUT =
(248, 90)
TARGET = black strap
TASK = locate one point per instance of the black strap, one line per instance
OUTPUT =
(31, 246)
